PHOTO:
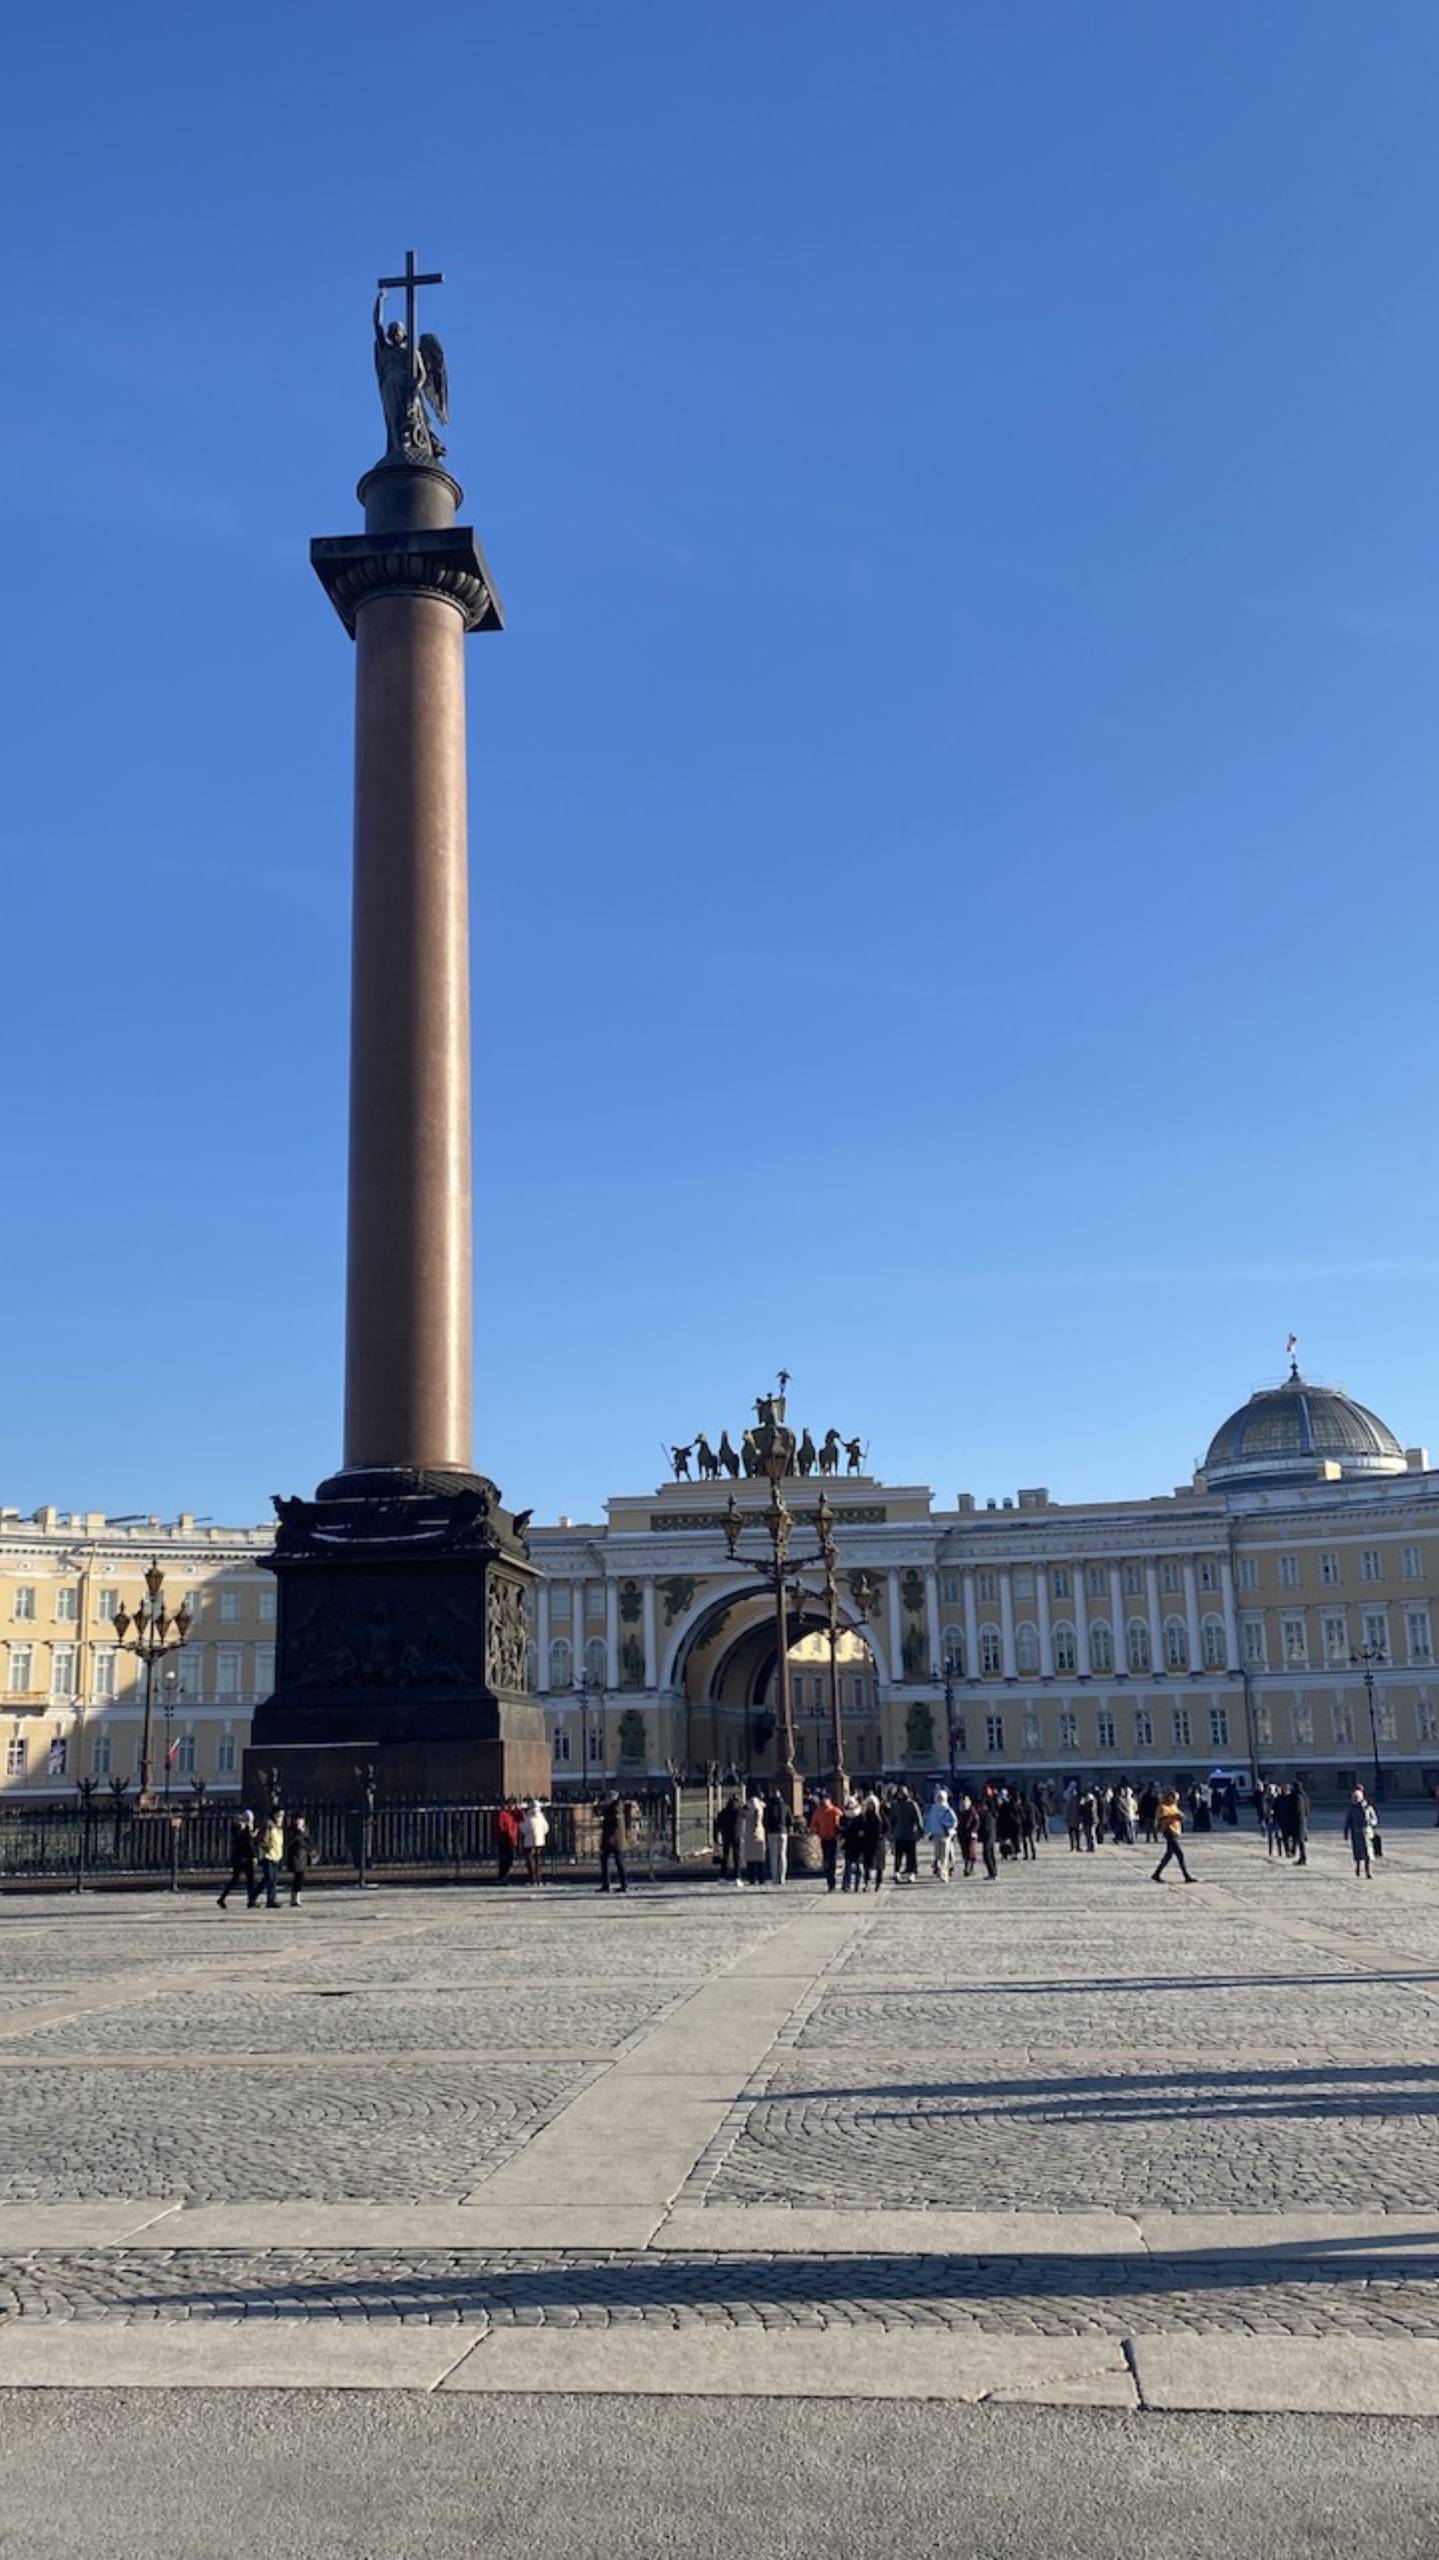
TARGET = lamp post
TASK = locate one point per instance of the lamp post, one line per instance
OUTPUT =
(1368, 1655)
(171, 1689)
(156, 1635)
(776, 1446)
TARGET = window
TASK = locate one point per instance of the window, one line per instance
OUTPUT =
(952, 1652)
(1134, 1582)
(984, 1583)
(1329, 1568)
(1068, 1729)
(1096, 1582)
(1249, 1573)
(1026, 1647)
(62, 1671)
(227, 1671)
(1212, 1645)
(22, 1661)
(560, 1660)
(597, 1746)
(185, 1756)
(1176, 1645)
(595, 1600)
(225, 1756)
(1251, 1637)
(1065, 1656)
(1143, 1729)
(560, 1750)
(1169, 1578)
(102, 1678)
(1060, 1586)
(595, 1661)
(194, 1602)
(1104, 1730)
(1295, 1640)
(229, 1608)
(1181, 1729)
(949, 1589)
(1136, 1645)
(15, 1756)
(1219, 1728)
(1301, 1719)
(67, 1604)
(100, 1756)
(559, 1599)
(1386, 1719)
(1376, 1631)
(24, 1600)
(1336, 1636)
(1413, 1569)
(1425, 1729)
(1101, 1646)
(1289, 1573)
(994, 1733)
(1024, 1582)
(1208, 1573)
(1030, 1720)
(1369, 1565)
(1421, 1642)
(192, 1674)
(991, 1653)
(1343, 1713)
(58, 1755)
(267, 1604)
(1263, 1725)
(264, 1670)
(109, 1601)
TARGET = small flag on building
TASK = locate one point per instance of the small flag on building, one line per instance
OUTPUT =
(172, 1755)
(1291, 1346)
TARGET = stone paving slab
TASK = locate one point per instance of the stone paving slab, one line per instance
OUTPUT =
(1334, 2377)
(226, 2356)
(835, 2366)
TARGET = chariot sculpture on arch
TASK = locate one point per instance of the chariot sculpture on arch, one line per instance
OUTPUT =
(414, 383)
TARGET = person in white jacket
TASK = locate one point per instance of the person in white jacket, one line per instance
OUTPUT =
(534, 1832)
(940, 1825)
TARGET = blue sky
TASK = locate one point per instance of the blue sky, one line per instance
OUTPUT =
(953, 808)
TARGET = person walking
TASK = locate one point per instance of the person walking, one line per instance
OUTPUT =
(1149, 1814)
(873, 1833)
(1361, 1829)
(1170, 1823)
(986, 1832)
(534, 1832)
(851, 1840)
(244, 1847)
(905, 1824)
(940, 1825)
(272, 1856)
(1072, 1822)
(776, 1837)
(727, 1836)
(752, 1839)
(300, 1855)
(614, 1835)
(825, 1823)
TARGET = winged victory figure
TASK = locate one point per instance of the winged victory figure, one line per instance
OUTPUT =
(408, 387)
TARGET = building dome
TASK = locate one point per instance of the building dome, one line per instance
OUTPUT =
(1292, 1433)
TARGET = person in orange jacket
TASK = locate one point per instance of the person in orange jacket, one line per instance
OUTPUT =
(824, 1822)
(1171, 1831)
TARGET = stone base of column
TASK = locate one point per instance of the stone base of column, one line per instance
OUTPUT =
(400, 1645)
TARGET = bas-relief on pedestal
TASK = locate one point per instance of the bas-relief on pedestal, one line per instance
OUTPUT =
(401, 1620)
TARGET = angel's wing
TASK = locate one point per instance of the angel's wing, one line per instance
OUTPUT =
(437, 380)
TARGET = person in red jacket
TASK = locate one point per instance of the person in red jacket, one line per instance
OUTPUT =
(825, 1822)
(507, 1838)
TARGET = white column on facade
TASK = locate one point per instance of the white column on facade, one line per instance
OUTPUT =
(1006, 1620)
(1081, 1623)
(542, 1639)
(1116, 1612)
(1231, 1623)
(577, 1625)
(612, 1632)
(931, 1612)
(1046, 1641)
(1191, 1616)
(652, 1674)
(1156, 1623)
(896, 1626)
(971, 1626)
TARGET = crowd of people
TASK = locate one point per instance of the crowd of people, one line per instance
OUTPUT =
(262, 1852)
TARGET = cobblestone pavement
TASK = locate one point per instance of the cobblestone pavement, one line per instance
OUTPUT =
(1069, 2039)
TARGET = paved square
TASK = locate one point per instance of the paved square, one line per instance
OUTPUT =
(1063, 2107)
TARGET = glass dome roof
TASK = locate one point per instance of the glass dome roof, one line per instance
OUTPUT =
(1288, 1432)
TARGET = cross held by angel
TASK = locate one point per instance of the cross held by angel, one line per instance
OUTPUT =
(411, 374)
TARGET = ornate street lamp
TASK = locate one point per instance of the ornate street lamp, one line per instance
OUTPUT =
(156, 1635)
(776, 1446)
(1368, 1655)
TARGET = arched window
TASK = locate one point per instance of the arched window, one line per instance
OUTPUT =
(1176, 1645)
(1211, 1634)
(1026, 1647)
(1136, 1644)
(560, 1663)
(954, 1653)
(1066, 1659)
(991, 1653)
(1101, 1645)
(595, 1662)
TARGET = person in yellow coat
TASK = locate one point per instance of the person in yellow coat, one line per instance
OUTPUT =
(1171, 1831)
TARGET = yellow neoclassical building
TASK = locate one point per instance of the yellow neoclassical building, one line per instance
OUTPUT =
(1276, 1612)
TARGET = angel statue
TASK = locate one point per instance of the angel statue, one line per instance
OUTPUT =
(410, 381)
